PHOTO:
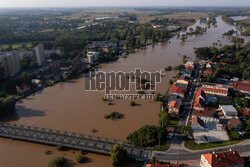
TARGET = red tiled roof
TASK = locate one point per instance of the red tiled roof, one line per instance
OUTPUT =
(198, 102)
(208, 71)
(242, 86)
(200, 93)
(245, 112)
(208, 112)
(225, 91)
(176, 89)
(233, 122)
(199, 99)
(224, 159)
(175, 104)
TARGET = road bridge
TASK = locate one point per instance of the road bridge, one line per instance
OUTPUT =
(96, 144)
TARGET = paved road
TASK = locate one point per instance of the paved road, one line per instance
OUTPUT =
(177, 141)
(186, 155)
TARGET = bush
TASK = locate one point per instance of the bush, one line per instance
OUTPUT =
(168, 68)
(132, 103)
(113, 115)
(171, 82)
(48, 152)
(234, 135)
(107, 116)
(179, 67)
(81, 158)
(59, 148)
(83, 152)
(103, 99)
(57, 162)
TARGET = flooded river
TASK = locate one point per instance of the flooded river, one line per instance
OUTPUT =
(66, 106)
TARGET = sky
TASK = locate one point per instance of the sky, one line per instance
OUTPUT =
(92, 3)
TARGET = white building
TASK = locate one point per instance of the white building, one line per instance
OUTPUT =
(40, 55)
(92, 57)
(11, 64)
(228, 111)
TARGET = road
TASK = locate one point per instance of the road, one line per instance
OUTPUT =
(186, 155)
(177, 141)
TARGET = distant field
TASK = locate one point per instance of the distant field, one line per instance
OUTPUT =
(47, 30)
(143, 16)
(17, 46)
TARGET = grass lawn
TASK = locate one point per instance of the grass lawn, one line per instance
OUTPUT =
(47, 30)
(16, 46)
(190, 144)
(162, 147)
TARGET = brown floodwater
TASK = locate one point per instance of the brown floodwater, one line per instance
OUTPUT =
(66, 106)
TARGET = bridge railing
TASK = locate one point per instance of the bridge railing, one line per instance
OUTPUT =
(61, 132)
(75, 135)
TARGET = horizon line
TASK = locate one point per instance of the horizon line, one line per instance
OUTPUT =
(81, 7)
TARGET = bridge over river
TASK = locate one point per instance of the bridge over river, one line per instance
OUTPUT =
(84, 142)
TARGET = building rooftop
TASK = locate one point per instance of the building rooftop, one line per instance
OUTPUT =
(208, 112)
(228, 108)
(224, 159)
(174, 104)
(196, 119)
(233, 122)
(243, 86)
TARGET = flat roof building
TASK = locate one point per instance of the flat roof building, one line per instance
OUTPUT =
(228, 111)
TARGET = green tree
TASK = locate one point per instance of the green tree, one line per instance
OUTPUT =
(145, 136)
(119, 155)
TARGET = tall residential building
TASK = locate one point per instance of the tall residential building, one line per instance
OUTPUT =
(92, 57)
(40, 55)
(11, 63)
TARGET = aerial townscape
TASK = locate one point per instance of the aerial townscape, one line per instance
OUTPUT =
(199, 115)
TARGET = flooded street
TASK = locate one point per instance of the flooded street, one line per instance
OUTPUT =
(66, 106)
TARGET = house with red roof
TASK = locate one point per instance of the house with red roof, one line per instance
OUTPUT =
(244, 112)
(235, 124)
(208, 72)
(199, 100)
(243, 87)
(197, 123)
(214, 89)
(180, 91)
(189, 65)
(229, 158)
(174, 107)
(206, 112)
